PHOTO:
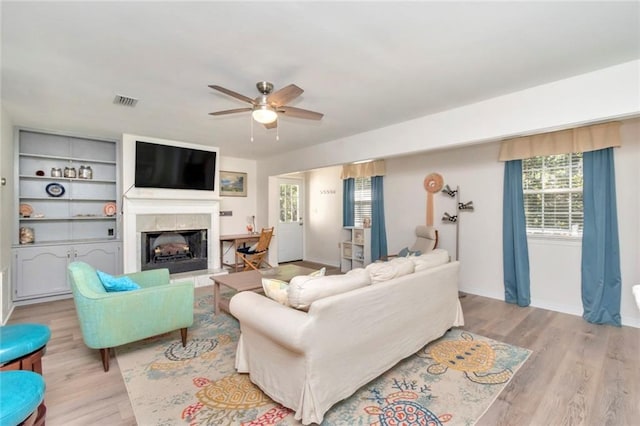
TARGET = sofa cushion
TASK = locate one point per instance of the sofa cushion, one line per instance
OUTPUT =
(403, 265)
(385, 271)
(305, 289)
(112, 284)
(434, 258)
(276, 290)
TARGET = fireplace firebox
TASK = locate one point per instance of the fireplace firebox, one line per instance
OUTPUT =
(179, 251)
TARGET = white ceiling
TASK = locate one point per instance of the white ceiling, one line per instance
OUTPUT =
(364, 65)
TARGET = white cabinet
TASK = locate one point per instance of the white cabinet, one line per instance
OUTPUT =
(60, 219)
(41, 271)
(356, 248)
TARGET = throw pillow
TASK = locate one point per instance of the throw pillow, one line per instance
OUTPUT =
(113, 284)
(381, 271)
(403, 266)
(431, 259)
(276, 290)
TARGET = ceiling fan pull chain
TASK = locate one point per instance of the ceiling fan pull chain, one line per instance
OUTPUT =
(278, 133)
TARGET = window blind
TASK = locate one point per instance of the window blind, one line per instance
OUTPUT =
(362, 200)
(552, 187)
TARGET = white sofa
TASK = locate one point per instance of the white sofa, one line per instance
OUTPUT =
(308, 361)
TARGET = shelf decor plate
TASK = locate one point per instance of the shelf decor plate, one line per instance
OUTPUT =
(110, 209)
(26, 210)
(55, 190)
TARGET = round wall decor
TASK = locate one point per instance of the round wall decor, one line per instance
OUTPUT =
(55, 190)
(432, 183)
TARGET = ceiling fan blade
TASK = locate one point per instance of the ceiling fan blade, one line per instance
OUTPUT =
(271, 125)
(300, 113)
(232, 93)
(284, 95)
(230, 111)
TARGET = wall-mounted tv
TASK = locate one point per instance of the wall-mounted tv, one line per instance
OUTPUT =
(174, 167)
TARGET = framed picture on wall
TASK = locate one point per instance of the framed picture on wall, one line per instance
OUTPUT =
(233, 184)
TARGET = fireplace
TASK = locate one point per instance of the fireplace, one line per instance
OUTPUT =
(179, 250)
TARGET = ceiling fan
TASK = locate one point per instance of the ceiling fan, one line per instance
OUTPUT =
(266, 107)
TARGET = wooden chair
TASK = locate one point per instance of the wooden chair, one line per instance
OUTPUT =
(254, 257)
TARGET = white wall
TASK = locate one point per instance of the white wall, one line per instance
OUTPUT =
(241, 207)
(324, 215)
(479, 175)
(598, 96)
(554, 264)
(7, 213)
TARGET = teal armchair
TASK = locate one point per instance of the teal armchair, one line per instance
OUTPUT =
(112, 319)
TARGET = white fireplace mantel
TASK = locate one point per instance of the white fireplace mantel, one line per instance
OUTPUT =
(179, 211)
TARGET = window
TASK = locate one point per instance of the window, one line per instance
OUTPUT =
(362, 198)
(289, 201)
(552, 187)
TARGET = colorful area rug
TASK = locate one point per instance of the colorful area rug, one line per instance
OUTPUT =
(451, 381)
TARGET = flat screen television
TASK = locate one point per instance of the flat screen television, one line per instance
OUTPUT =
(174, 167)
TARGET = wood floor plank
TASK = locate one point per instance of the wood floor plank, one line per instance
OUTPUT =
(578, 373)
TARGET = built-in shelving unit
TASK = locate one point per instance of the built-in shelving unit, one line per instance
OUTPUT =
(356, 248)
(77, 222)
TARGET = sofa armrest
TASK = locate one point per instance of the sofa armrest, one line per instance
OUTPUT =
(280, 323)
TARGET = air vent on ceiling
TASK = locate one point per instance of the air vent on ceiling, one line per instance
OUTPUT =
(125, 100)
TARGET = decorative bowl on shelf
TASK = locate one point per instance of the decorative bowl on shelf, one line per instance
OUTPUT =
(26, 210)
(110, 209)
(55, 190)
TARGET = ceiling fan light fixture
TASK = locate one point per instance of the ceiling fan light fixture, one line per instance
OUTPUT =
(264, 114)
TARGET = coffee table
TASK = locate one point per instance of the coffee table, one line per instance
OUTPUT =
(251, 281)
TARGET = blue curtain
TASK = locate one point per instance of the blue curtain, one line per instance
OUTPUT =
(348, 201)
(601, 278)
(378, 230)
(515, 252)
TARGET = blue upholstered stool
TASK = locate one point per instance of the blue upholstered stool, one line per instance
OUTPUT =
(21, 398)
(22, 346)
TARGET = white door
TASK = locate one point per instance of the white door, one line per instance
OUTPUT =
(290, 223)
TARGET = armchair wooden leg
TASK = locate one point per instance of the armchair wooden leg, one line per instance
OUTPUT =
(104, 353)
(183, 335)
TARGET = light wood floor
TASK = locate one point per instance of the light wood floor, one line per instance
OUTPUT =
(578, 374)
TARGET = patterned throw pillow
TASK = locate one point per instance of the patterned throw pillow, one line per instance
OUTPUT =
(112, 284)
(276, 290)
(279, 290)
